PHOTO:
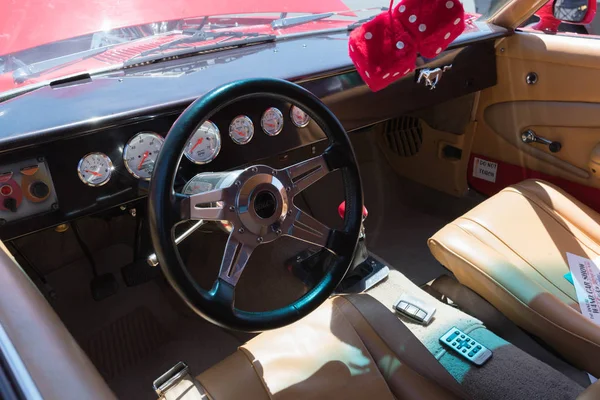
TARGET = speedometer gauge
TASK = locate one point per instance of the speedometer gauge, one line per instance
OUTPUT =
(94, 169)
(299, 117)
(272, 121)
(141, 153)
(241, 129)
(204, 145)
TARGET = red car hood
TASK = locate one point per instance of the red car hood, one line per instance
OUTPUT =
(26, 24)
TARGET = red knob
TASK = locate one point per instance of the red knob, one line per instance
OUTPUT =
(342, 210)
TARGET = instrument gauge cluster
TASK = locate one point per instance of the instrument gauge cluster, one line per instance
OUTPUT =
(140, 154)
(95, 169)
(241, 129)
(299, 117)
(204, 145)
(272, 121)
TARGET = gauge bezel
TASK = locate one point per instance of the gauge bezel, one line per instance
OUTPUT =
(262, 118)
(162, 140)
(218, 144)
(110, 169)
(294, 121)
(247, 118)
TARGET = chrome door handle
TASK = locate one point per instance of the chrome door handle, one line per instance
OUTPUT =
(529, 136)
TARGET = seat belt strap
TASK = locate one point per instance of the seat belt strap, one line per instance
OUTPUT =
(389, 327)
(178, 384)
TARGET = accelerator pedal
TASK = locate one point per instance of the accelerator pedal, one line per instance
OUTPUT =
(139, 272)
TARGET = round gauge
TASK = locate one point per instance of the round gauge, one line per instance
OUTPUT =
(94, 169)
(204, 145)
(272, 121)
(241, 129)
(140, 154)
(299, 117)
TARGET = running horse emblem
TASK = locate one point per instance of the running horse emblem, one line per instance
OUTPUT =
(431, 77)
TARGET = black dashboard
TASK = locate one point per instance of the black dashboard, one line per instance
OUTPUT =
(45, 133)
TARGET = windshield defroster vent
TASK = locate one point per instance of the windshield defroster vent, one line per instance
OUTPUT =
(403, 136)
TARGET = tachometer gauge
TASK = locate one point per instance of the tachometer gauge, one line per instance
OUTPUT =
(299, 117)
(272, 121)
(241, 129)
(204, 145)
(94, 169)
(140, 154)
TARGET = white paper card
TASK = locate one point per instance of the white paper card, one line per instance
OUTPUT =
(484, 169)
(586, 279)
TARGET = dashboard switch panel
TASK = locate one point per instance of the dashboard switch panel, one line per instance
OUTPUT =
(26, 189)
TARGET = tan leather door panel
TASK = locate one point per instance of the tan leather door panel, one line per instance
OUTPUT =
(563, 105)
(575, 125)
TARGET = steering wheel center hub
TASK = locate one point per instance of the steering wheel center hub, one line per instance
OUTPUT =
(265, 204)
(261, 202)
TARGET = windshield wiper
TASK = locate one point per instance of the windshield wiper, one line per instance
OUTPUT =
(199, 35)
(166, 50)
(288, 22)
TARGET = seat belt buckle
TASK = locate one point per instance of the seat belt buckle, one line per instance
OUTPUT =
(170, 378)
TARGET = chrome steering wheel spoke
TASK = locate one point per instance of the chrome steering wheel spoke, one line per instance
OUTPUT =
(305, 173)
(307, 229)
(207, 206)
(235, 258)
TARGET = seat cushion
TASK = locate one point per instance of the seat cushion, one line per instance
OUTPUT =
(512, 250)
(351, 347)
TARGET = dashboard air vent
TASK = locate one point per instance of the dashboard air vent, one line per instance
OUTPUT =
(403, 136)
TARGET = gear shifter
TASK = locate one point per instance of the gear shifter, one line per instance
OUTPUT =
(364, 272)
(361, 254)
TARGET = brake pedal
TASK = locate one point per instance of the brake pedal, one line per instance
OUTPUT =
(103, 286)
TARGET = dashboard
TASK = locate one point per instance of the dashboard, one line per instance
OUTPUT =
(102, 170)
(80, 147)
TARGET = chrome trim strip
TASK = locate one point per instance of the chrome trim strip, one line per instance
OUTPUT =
(18, 369)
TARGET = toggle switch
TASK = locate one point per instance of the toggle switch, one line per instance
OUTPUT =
(10, 204)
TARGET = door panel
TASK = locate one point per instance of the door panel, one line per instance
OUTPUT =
(563, 105)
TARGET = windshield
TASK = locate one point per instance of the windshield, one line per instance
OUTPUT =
(45, 40)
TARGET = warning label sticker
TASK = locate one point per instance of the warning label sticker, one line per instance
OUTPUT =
(586, 279)
(485, 170)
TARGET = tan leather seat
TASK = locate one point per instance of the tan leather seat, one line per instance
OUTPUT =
(351, 347)
(512, 250)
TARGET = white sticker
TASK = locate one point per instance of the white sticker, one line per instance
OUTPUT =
(586, 279)
(485, 170)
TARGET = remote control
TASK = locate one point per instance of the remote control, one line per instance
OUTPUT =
(415, 309)
(466, 346)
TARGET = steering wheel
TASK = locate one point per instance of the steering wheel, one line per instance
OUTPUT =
(259, 203)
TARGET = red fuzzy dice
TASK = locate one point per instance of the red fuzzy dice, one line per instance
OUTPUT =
(370, 46)
(433, 24)
(385, 48)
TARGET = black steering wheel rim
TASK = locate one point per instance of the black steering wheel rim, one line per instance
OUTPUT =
(217, 305)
